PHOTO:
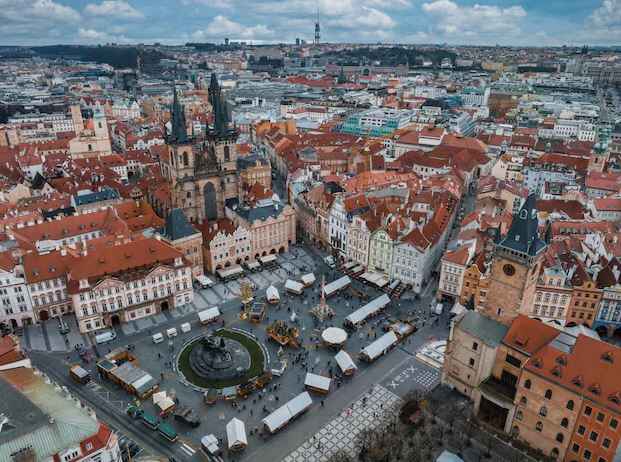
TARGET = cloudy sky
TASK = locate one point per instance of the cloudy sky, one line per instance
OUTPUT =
(505, 22)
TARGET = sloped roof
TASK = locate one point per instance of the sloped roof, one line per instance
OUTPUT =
(486, 329)
(177, 226)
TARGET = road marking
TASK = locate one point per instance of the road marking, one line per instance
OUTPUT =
(187, 449)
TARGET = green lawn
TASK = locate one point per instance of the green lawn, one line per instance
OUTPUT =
(257, 362)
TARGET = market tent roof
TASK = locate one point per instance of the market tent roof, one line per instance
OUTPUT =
(272, 293)
(294, 286)
(166, 403)
(367, 310)
(334, 335)
(208, 314)
(267, 259)
(379, 347)
(236, 433)
(337, 285)
(202, 279)
(308, 279)
(231, 271)
(318, 382)
(277, 419)
(350, 265)
(253, 265)
(344, 361)
(299, 404)
(159, 396)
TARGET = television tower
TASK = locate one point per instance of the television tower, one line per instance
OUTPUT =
(317, 28)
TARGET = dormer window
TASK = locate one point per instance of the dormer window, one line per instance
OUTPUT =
(578, 381)
(607, 357)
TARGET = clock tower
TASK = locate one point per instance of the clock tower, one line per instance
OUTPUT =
(515, 266)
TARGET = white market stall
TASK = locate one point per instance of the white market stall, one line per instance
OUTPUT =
(345, 362)
(379, 347)
(287, 412)
(334, 336)
(336, 286)
(268, 260)
(308, 279)
(228, 274)
(272, 295)
(371, 309)
(236, 434)
(208, 315)
(317, 383)
(294, 287)
(164, 403)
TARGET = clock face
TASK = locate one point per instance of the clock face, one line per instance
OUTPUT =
(508, 269)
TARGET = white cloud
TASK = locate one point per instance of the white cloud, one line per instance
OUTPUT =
(221, 27)
(25, 22)
(366, 17)
(476, 20)
(92, 35)
(113, 8)
(608, 14)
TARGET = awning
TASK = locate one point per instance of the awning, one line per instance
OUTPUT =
(267, 259)
(209, 314)
(308, 279)
(272, 293)
(337, 285)
(294, 286)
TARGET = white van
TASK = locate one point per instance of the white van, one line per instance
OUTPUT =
(172, 332)
(105, 337)
(157, 338)
(186, 327)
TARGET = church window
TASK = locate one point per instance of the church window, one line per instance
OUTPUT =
(508, 269)
(185, 159)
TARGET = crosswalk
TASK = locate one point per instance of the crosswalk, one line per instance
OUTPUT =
(189, 450)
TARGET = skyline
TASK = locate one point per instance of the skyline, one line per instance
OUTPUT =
(456, 22)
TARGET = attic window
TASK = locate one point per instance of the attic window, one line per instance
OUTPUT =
(537, 363)
(608, 357)
(562, 360)
(102, 260)
(595, 389)
(556, 371)
(578, 381)
(615, 398)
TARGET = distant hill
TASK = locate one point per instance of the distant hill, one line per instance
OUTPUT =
(118, 57)
(389, 56)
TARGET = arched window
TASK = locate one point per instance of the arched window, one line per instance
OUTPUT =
(527, 384)
(185, 159)
(539, 426)
(564, 422)
(570, 405)
(559, 437)
(548, 394)
(523, 401)
(519, 415)
(543, 411)
(227, 153)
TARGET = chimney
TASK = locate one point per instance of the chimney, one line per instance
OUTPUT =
(63, 252)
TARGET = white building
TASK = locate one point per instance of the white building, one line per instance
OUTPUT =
(15, 304)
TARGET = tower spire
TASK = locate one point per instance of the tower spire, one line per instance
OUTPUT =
(218, 105)
(317, 28)
(179, 131)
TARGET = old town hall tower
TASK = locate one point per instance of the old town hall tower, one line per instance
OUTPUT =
(516, 264)
(202, 173)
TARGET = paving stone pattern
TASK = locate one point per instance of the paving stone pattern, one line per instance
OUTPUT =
(341, 432)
